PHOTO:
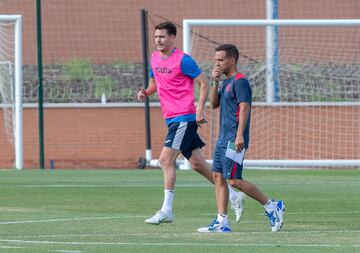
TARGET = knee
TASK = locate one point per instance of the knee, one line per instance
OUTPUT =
(235, 183)
(219, 178)
(198, 165)
(165, 162)
(232, 182)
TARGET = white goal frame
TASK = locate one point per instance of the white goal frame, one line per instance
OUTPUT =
(18, 121)
(270, 23)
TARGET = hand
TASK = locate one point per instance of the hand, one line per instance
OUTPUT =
(200, 118)
(142, 94)
(216, 73)
(239, 143)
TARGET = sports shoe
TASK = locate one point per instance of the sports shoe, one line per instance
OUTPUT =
(215, 227)
(238, 206)
(276, 216)
(160, 217)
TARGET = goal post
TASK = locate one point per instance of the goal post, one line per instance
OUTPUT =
(319, 103)
(11, 54)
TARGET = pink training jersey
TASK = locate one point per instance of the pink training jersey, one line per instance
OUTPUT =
(175, 89)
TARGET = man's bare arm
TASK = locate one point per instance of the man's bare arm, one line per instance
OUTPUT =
(151, 89)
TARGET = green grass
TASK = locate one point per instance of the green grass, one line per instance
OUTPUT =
(104, 211)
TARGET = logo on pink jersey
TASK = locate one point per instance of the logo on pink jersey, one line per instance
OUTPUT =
(163, 70)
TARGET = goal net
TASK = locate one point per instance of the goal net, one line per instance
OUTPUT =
(305, 79)
(10, 83)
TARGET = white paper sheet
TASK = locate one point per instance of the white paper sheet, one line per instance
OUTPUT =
(233, 154)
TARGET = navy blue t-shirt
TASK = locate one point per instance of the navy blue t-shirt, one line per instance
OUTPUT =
(231, 93)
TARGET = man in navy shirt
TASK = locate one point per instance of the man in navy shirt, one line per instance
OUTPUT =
(234, 97)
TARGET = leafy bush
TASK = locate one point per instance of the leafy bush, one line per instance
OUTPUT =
(120, 64)
(78, 70)
(104, 85)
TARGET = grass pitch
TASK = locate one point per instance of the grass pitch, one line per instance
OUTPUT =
(78, 211)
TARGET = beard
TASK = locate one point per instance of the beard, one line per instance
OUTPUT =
(225, 71)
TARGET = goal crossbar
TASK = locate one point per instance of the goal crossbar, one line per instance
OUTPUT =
(187, 23)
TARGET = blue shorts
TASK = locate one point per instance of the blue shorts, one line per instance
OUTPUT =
(183, 136)
(226, 166)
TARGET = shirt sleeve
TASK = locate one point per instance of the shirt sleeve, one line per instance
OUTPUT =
(189, 67)
(151, 73)
(242, 91)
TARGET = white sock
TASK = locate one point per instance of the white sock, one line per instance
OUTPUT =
(168, 200)
(269, 206)
(223, 219)
(232, 193)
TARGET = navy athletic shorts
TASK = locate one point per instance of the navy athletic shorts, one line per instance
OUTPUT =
(183, 136)
(226, 166)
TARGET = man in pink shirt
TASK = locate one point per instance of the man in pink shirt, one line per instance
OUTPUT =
(172, 75)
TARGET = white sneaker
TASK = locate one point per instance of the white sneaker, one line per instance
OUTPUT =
(215, 227)
(276, 216)
(238, 206)
(160, 217)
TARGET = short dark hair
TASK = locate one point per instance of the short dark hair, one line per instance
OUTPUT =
(230, 51)
(168, 26)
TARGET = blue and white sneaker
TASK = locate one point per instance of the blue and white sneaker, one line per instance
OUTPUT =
(276, 216)
(215, 227)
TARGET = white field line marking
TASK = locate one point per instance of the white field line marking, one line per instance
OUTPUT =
(194, 185)
(181, 244)
(67, 251)
(185, 233)
(11, 247)
(301, 213)
(144, 216)
(99, 186)
(335, 212)
(63, 251)
(72, 219)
